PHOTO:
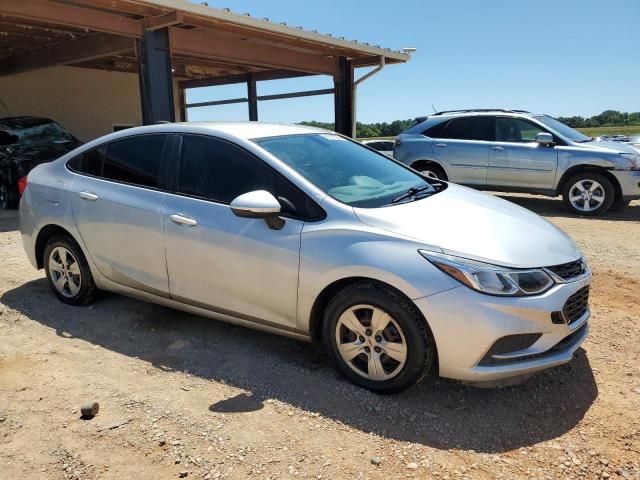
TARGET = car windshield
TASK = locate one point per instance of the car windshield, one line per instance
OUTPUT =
(39, 131)
(346, 170)
(564, 130)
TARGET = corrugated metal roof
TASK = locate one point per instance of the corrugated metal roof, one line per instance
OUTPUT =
(246, 20)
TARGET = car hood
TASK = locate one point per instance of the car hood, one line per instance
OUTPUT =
(616, 147)
(467, 223)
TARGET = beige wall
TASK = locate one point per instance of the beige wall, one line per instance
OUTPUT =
(87, 102)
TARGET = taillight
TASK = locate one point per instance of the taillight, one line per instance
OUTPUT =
(22, 184)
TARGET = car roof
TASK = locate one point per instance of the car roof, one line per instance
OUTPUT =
(244, 130)
(487, 111)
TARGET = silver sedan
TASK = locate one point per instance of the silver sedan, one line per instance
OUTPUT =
(306, 233)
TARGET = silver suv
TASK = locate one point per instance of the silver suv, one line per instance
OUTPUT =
(516, 151)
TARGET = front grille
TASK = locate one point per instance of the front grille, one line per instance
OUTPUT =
(576, 305)
(567, 271)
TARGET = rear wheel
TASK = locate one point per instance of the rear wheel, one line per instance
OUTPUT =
(588, 193)
(8, 196)
(377, 338)
(68, 272)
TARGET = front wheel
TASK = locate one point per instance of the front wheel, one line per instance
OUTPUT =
(68, 272)
(588, 193)
(377, 338)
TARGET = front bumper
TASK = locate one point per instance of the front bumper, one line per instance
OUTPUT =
(629, 181)
(466, 324)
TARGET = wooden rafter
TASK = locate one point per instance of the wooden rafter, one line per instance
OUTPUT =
(73, 51)
(71, 15)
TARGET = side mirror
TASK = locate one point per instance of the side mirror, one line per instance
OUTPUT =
(258, 204)
(544, 138)
(7, 138)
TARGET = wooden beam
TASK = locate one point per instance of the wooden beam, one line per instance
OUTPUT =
(122, 6)
(219, 46)
(73, 51)
(71, 15)
(162, 21)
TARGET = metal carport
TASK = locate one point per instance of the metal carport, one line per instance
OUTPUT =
(175, 45)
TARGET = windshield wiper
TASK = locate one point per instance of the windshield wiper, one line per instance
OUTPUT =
(412, 192)
(590, 139)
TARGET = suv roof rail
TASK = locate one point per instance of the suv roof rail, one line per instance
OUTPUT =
(471, 110)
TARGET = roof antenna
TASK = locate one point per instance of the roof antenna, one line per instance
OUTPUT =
(434, 109)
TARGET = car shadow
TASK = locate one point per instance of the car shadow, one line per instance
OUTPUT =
(9, 220)
(438, 413)
(553, 207)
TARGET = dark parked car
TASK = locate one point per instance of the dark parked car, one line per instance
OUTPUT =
(24, 143)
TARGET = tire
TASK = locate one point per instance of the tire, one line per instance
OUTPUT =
(8, 196)
(71, 281)
(405, 331)
(620, 205)
(431, 170)
(598, 189)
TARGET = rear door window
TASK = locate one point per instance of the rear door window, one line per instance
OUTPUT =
(89, 162)
(135, 160)
(469, 128)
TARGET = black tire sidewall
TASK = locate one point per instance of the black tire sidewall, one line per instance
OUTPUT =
(11, 197)
(439, 172)
(87, 287)
(607, 185)
(421, 351)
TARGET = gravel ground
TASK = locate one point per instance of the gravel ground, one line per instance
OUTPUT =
(183, 396)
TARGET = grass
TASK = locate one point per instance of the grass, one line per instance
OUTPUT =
(597, 131)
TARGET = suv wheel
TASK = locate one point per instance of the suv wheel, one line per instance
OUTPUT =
(377, 338)
(432, 171)
(68, 272)
(588, 193)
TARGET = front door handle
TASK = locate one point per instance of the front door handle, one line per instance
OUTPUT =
(441, 145)
(92, 197)
(497, 148)
(182, 219)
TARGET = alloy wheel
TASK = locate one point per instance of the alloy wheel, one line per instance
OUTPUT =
(4, 197)
(586, 195)
(65, 272)
(371, 342)
(430, 174)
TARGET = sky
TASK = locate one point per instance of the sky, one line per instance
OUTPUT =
(560, 57)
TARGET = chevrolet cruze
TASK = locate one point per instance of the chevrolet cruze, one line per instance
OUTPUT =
(306, 233)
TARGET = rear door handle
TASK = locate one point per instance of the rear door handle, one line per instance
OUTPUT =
(92, 197)
(182, 219)
(497, 148)
(441, 145)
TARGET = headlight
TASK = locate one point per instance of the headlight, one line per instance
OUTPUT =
(491, 279)
(633, 159)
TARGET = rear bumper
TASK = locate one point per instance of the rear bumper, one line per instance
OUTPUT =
(629, 181)
(28, 231)
(466, 324)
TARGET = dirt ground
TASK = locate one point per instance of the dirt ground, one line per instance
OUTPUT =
(183, 396)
